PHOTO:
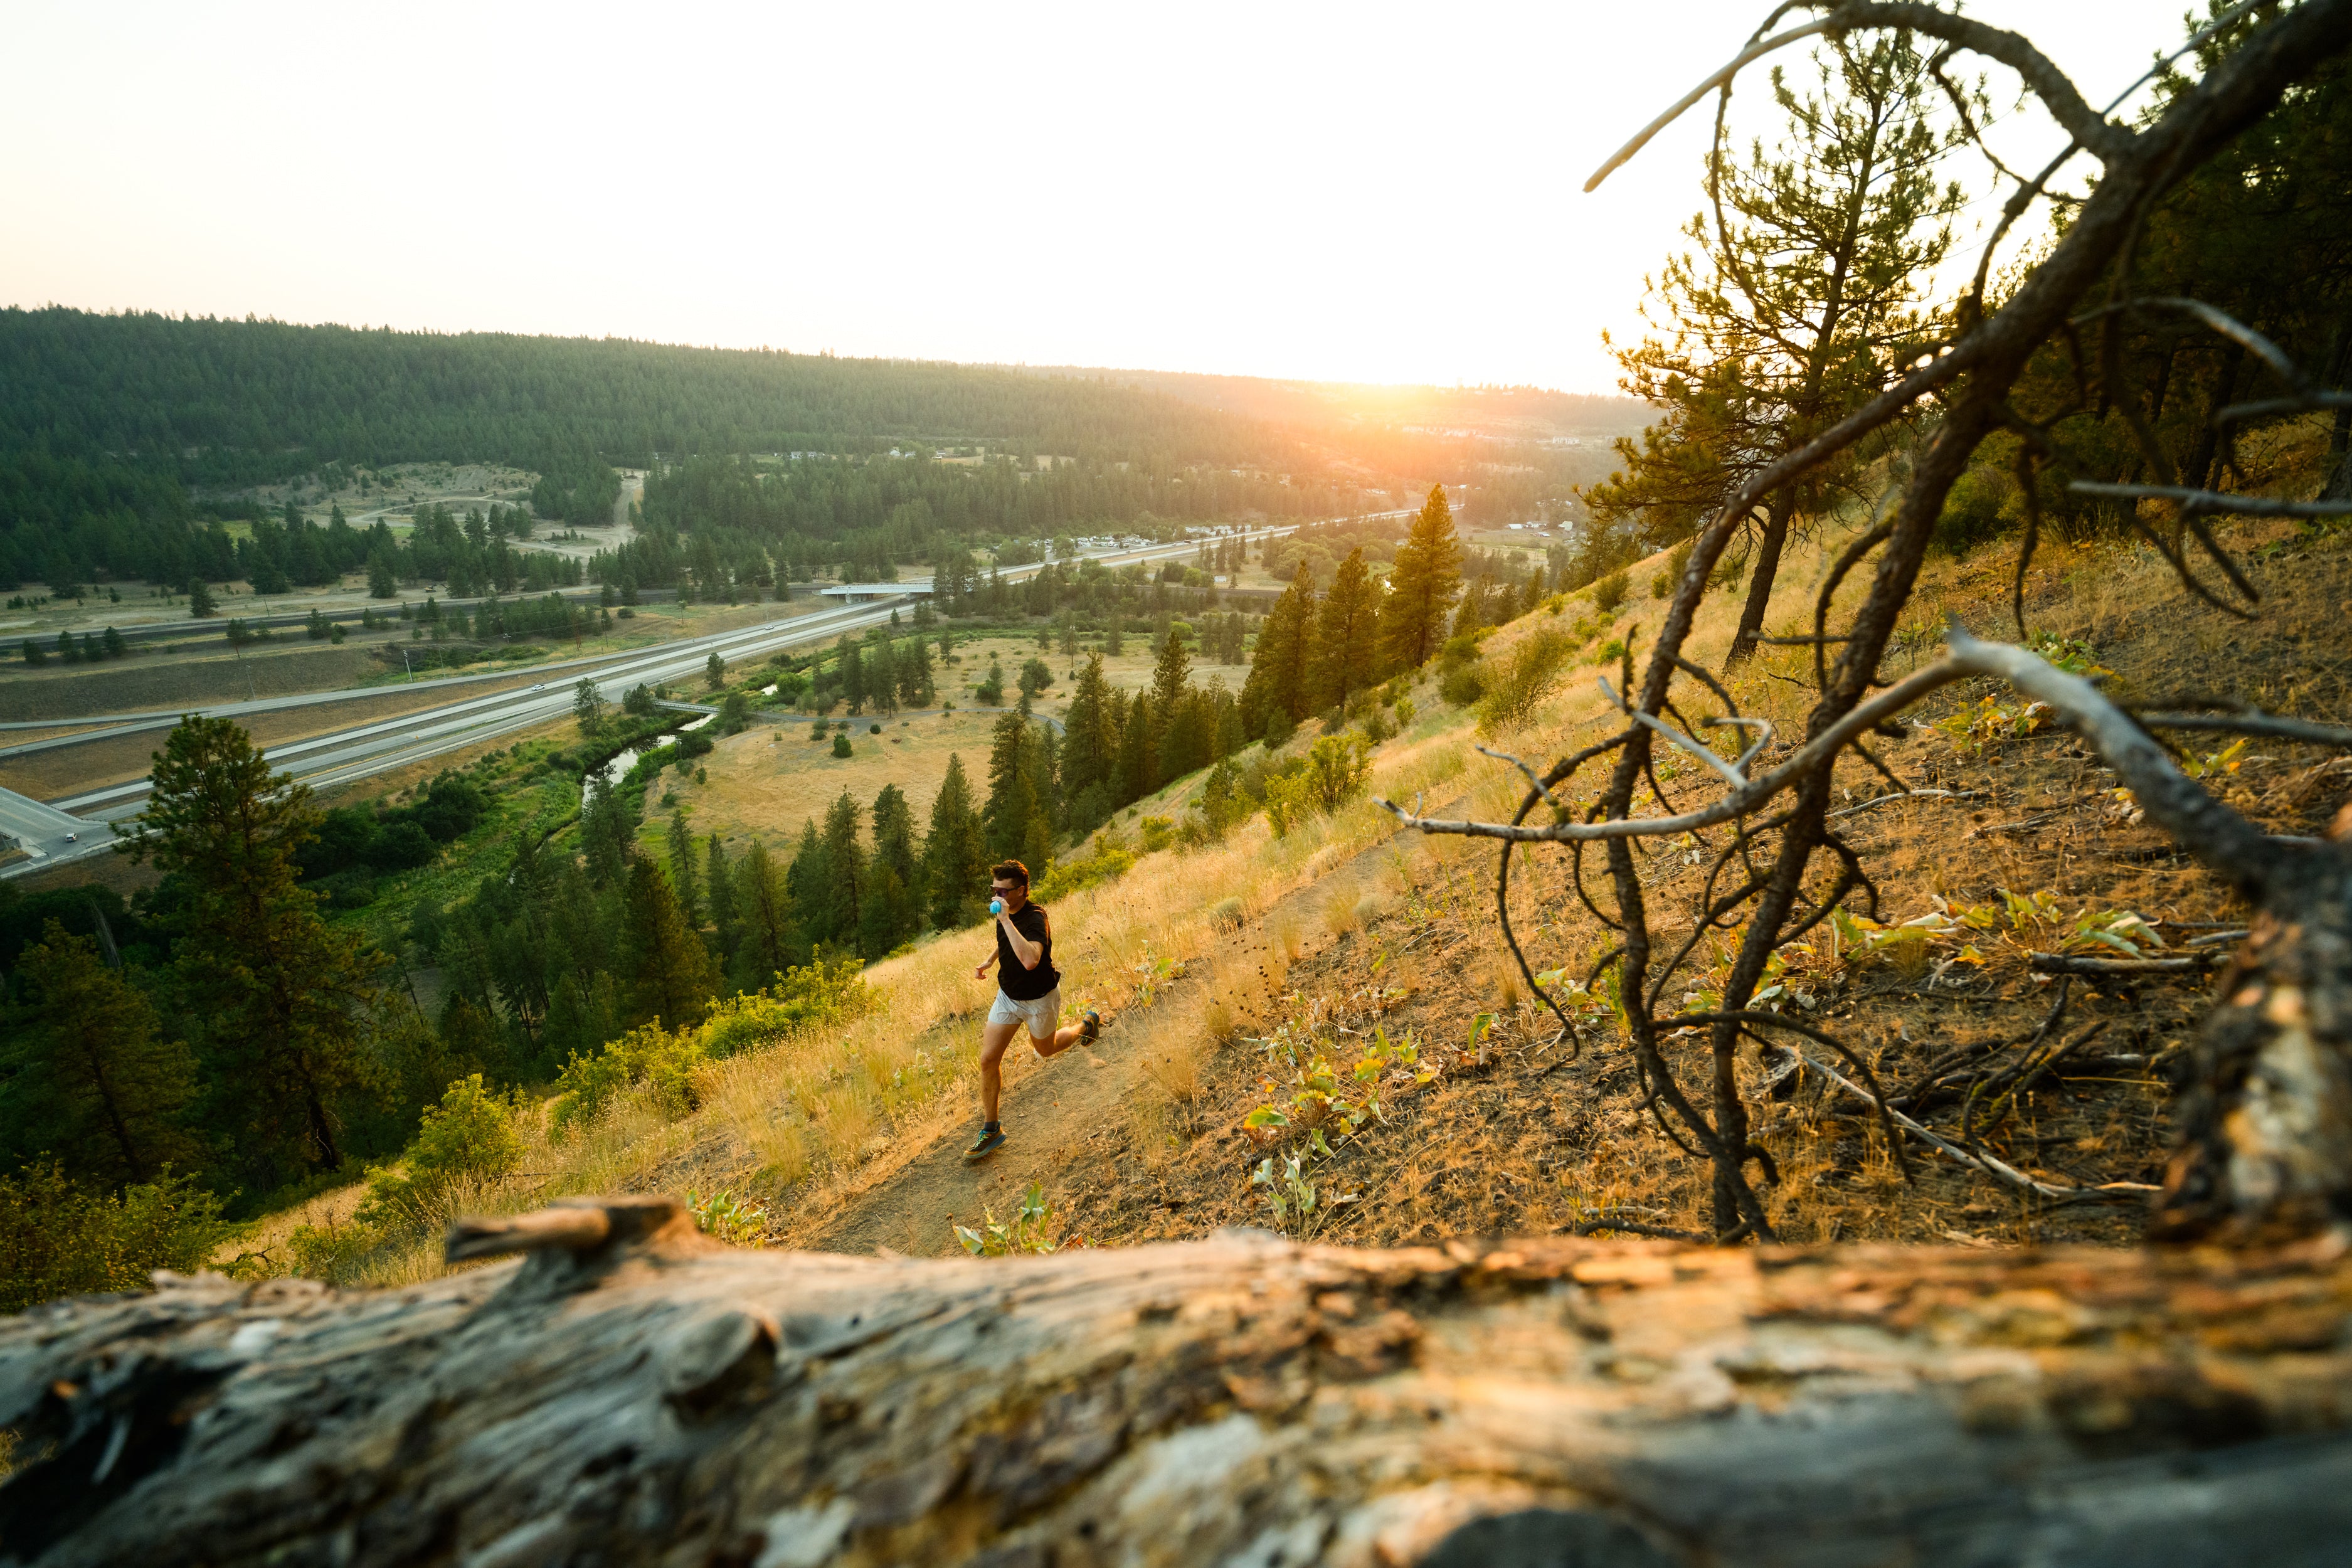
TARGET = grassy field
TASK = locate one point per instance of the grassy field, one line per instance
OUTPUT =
(764, 782)
(1131, 669)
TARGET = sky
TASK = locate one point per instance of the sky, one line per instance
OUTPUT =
(1364, 192)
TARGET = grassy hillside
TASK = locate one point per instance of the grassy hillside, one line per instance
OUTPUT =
(1236, 972)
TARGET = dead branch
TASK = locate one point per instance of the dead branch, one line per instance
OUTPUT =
(2215, 501)
(2251, 723)
(2069, 963)
(1989, 1165)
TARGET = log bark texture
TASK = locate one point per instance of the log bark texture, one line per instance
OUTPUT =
(650, 1397)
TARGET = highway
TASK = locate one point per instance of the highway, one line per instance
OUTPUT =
(362, 751)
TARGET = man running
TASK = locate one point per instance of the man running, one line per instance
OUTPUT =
(1028, 991)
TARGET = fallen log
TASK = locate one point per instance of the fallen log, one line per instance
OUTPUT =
(631, 1392)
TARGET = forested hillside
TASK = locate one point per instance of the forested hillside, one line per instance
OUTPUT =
(111, 426)
(226, 402)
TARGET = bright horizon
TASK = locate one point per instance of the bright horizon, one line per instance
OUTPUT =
(1360, 196)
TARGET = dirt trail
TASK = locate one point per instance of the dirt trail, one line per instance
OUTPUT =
(1048, 1113)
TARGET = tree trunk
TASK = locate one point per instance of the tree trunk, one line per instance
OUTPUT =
(635, 1393)
(2265, 1145)
(1759, 581)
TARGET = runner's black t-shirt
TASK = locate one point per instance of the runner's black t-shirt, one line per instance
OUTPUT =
(1026, 985)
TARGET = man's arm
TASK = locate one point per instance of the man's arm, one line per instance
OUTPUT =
(982, 973)
(1027, 951)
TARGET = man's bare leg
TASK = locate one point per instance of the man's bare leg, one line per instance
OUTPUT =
(1061, 1040)
(993, 1040)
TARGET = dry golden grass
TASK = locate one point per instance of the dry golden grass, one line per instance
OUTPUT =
(819, 1116)
(764, 782)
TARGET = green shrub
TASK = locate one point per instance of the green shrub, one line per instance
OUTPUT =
(1255, 778)
(1979, 506)
(647, 1055)
(1522, 676)
(1462, 684)
(1159, 833)
(842, 748)
(1286, 803)
(60, 1239)
(1337, 769)
(468, 1139)
(1460, 649)
(1106, 861)
(801, 998)
(1608, 593)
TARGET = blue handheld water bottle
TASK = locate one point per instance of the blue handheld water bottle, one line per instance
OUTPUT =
(996, 906)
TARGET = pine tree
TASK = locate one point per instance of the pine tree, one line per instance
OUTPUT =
(681, 866)
(763, 906)
(588, 707)
(1226, 720)
(275, 997)
(1422, 585)
(718, 882)
(804, 878)
(1472, 613)
(1115, 632)
(200, 598)
(1810, 292)
(842, 898)
(1139, 765)
(606, 834)
(954, 855)
(882, 678)
(714, 672)
(1277, 682)
(1345, 635)
(1014, 797)
(1178, 743)
(1185, 742)
(916, 686)
(1090, 747)
(1170, 674)
(853, 673)
(894, 907)
(83, 1075)
(670, 973)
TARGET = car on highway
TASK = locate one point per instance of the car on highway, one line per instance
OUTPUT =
(73, 837)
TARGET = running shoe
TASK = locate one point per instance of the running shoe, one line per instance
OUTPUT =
(1090, 1027)
(990, 1140)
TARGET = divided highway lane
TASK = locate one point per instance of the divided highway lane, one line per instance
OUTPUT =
(362, 751)
(385, 743)
(117, 725)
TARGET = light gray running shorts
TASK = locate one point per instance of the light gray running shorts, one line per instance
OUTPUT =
(1040, 1015)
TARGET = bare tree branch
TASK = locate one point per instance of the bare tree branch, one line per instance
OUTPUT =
(2215, 501)
(2251, 723)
